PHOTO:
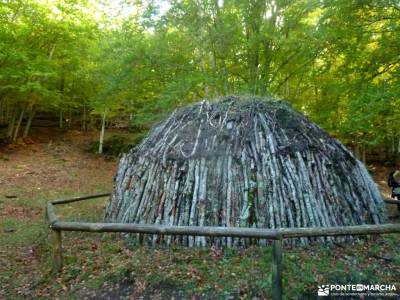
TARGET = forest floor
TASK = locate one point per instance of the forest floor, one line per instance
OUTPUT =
(101, 266)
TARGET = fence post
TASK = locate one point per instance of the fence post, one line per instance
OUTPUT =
(277, 269)
(56, 241)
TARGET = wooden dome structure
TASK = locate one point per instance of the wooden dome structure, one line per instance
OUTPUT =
(241, 161)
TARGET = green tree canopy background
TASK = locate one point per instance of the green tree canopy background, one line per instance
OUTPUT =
(335, 60)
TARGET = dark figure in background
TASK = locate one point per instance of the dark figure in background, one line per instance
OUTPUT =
(394, 183)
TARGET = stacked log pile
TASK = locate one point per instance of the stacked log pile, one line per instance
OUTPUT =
(246, 162)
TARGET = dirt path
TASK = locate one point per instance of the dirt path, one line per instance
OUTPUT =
(52, 165)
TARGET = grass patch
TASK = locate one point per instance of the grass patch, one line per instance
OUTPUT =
(17, 232)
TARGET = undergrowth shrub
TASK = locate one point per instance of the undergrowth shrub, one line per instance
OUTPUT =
(116, 144)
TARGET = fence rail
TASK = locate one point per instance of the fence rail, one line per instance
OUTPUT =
(277, 235)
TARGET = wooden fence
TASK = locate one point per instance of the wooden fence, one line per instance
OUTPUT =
(277, 235)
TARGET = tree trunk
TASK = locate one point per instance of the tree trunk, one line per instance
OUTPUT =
(69, 117)
(356, 148)
(84, 117)
(8, 112)
(12, 123)
(103, 125)
(204, 71)
(17, 127)
(60, 122)
(214, 68)
(2, 111)
(397, 154)
(364, 153)
(29, 122)
(225, 78)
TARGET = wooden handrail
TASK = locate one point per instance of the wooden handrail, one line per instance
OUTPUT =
(391, 201)
(51, 216)
(262, 233)
(168, 230)
(76, 199)
(276, 235)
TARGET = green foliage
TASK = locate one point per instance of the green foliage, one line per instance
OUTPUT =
(41, 56)
(336, 60)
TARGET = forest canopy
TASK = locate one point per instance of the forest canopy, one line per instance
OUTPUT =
(337, 61)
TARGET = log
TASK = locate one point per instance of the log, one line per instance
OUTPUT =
(167, 230)
(51, 217)
(56, 241)
(277, 269)
(392, 201)
(80, 198)
(339, 231)
(280, 233)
